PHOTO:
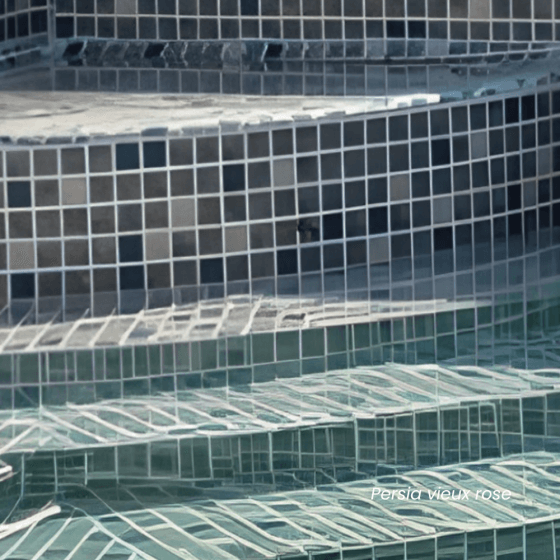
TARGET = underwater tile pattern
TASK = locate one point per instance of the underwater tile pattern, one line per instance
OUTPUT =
(283, 436)
(90, 360)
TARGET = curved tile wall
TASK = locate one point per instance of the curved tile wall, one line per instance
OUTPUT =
(432, 203)
(24, 34)
(317, 441)
(406, 204)
(444, 185)
(456, 20)
(278, 48)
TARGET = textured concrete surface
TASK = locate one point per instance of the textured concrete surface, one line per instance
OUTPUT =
(45, 114)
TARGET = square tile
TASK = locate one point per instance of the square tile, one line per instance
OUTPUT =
(400, 188)
(45, 162)
(159, 276)
(103, 250)
(479, 145)
(105, 280)
(100, 159)
(283, 172)
(128, 156)
(49, 254)
(129, 187)
(75, 222)
(130, 248)
(125, 7)
(20, 225)
(47, 223)
(18, 163)
(154, 154)
(378, 250)
(101, 189)
(156, 215)
(157, 245)
(236, 239)
(130, 217)
(73, 161)
(19, 194)
(74, 191)
(184, 243)
(102, 219)
(50, 284)
(76, 252)
(23, 285)
(155, 185)
(46, 193)
(182, 212)
(210, 241)
(77, 282)
(22, 255)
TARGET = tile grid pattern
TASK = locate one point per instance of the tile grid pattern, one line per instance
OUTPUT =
(20, 19)
(369, 444)
(285, 211)
(338, 521)
(24, 36)
(307, 78)
(348, 20)
(458, 203)
(489, 335)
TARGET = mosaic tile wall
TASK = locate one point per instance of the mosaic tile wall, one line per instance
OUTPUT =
(391, 203)
(20, 19)
(439, 212)
(319, 455)
(514, 332)
(326, 515)
(23, 33)
(275, 48)
(457, 20)
(210, 74)
(355, 424)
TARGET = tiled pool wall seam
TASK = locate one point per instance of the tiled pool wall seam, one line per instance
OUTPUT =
(450, 81)
(352, 21)
(298, 68)
(21, 55)
(289, 458)
(515, 333)
(136, 33)
(495, 429)
(25, 38)
(518, 528)
(256, 54)
(397, 204)
(536, 535)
